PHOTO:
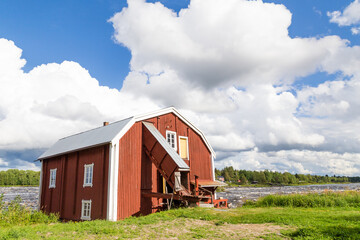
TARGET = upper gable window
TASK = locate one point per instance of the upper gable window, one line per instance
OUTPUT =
(171, 139)
(52, 180)
(183, 147)
(88, 175)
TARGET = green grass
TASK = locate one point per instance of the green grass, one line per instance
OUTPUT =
(311, 200)
(14, 213)
(35, 185)
(305, 223)
(322, 221)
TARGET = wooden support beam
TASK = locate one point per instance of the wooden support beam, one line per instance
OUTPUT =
(152, 148)
(162, 172)
(190, 198)
(163, 159)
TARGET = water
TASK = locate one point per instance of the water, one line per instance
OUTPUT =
(29, 195)
(238, 195)
(235, 195)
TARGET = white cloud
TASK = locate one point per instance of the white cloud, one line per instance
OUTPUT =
(217, 44)
(296, 161)
(336, 100)
(350, 15)
(54, 100)
(18, 164)
(24, 165)
(333, 110)
(3, 163)
(355, 30)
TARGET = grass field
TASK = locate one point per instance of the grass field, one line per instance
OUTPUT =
(250, 222)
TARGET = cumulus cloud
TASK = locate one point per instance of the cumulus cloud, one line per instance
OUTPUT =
(296, 161)
(227, 66)
(350, 15)
(54, 100)
(337, 100)
(213, 43)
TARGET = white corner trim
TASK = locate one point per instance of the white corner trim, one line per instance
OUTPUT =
(111, 214)
(92, 175)
(213, 167)
(40, 185)
(109, 190)
(116, 181)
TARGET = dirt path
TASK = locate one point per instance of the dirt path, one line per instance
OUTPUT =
(191, 228)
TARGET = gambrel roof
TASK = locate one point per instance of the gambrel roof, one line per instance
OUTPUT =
(110, 134)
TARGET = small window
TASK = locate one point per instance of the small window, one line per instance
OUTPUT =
(52, 180)
(88, 175)
(183, 147)
(171, 139)
(86, 210)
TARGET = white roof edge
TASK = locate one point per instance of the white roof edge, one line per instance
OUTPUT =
(74, 150)
(173, 110)
(124, 130)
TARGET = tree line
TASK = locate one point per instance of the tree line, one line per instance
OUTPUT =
(14, 177)
(244, 177)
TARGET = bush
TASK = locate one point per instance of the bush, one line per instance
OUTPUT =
(13, 213)
(310, 200)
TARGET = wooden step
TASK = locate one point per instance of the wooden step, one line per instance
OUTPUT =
(206, 205)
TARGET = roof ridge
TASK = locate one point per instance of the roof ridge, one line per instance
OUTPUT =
(96, 128)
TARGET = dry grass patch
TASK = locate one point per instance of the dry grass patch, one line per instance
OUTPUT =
(198, 229)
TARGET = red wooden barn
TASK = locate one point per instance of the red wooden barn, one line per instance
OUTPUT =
(135, 166)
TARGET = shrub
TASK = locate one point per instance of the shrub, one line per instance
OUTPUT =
(310, 200)
(13, 213)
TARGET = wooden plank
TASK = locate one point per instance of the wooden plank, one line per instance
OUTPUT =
(191, 198)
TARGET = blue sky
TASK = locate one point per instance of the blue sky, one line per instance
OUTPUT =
(311, 95)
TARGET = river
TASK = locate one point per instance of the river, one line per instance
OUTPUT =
(235, 195)
(238, 195)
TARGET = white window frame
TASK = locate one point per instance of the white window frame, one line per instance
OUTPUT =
(86, 167)
(85, 216)
(52, 183)
(187, 146)
(175, 140)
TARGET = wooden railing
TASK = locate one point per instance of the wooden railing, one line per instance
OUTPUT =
(220, 203)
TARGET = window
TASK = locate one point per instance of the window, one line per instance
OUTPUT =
(52, 180)
(86, 210)
(88, 175)
(183, 147)
(171, 139)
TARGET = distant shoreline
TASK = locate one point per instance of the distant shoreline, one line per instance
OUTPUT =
(238, 195)
(283, 185)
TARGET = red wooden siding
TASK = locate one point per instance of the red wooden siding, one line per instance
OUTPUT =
(129, 194)
(137, 172)
(200, 162)
(68, 193)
